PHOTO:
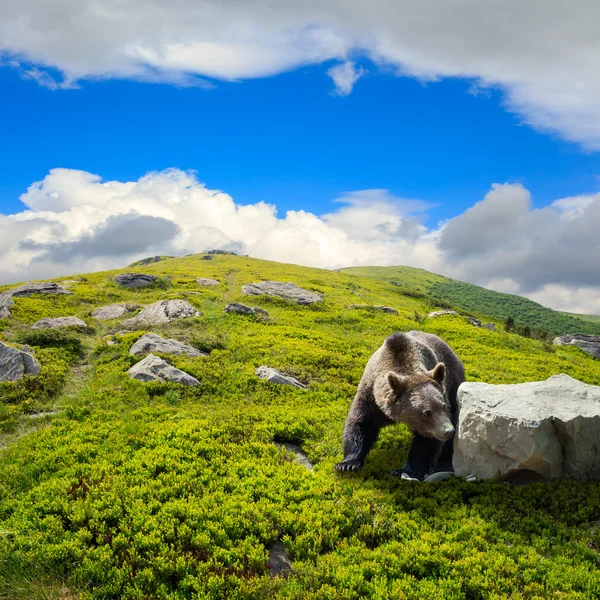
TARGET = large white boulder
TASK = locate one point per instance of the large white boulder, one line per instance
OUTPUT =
(285, 290)
(150, 343)
(153, 368)
(14, 364)
(545, 430)
(161, 313)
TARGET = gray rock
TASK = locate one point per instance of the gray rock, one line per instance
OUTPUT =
(242, 309)
(301, 457)
(135, 280)
(111, 311)
(590, 344)
(221, 252)
(14, 364)
(207, 257)
(28, 289)
(489, 326)
(535, 430)
(274, 376)
(153, 368)
(285, 290)
(279, 564)
(150, 342)
(4, 312)
(441, 313)
(385, 309)
(475, 322)
(161, 313)
(58, 322)
(207, 281)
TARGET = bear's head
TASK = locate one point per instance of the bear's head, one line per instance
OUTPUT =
(418, 401)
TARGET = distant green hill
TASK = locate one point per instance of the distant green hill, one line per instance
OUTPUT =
(475, 299)
(588, 318)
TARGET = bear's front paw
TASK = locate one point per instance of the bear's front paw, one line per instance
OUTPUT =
(349, 465)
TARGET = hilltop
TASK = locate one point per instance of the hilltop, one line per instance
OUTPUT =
(479, 300)
(114, 488)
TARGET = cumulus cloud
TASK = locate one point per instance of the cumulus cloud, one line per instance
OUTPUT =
(75, 222)
(544, 55)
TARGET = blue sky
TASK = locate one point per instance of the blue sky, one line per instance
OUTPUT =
(288, 140)
(460, 138)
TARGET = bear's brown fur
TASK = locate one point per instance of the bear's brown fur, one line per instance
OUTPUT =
(413, 379)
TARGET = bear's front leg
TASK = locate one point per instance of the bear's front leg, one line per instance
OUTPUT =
(422, 455)
(359, 437)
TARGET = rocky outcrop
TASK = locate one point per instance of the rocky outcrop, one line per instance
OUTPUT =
(280, 564)
(207, 257)
(207, 281)
(149, 260)
(489, 326)
(50, 287)
(59, 322)
(5, 304)
(135, 280)
(15, 364)
(221, 252)
(111, 311)
(153, 368)
(275, 376)
(285, 290)
(385, 309)
(441, 313)
(151, 342)
(588, 343)
(161, 313)
(242, 309)
(529, 431)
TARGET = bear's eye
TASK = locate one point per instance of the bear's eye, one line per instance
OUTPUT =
(427, 412)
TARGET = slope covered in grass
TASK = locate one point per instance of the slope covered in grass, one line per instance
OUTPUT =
(475, 299)
(590, 318)
(138, 490)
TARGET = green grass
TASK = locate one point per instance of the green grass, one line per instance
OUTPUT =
(160, 491)
(590, 318)
(481, 301)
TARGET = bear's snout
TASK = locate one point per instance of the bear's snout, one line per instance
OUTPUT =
(448, 433)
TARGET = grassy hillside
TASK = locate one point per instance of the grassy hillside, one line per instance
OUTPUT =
(138, 491)
(589, 318)
(476, 299)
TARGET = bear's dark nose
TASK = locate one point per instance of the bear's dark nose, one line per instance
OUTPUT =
(449, 433)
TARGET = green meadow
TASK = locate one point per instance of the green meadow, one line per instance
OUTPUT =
(112, 488)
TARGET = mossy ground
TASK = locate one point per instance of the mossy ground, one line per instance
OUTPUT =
(158, 491)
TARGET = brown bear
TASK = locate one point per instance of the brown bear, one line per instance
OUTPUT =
(413, 379)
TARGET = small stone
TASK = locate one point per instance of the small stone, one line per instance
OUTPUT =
(207, 257)
(475, 322)
(4, 312)
(242, 309)
(207, 281)
(590, 344)
(301, 457)
(275, 376)
(284, 290)
(161, 313)
(59, 322)
(280, 564)
(385, 309)
(151, 342)
(441, 313)
(489, 326)
(15, 364)
(111, 311)
(153, 368)
(135, 280)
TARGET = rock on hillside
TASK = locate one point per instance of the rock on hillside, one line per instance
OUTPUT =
(58, 322)
(161, 313)
(285, 290)
(111, 311)
(135, 280)
(151, 342)
(153, 368)
(207, 281)
(546, 429)
(275, 376)
(588, 343)
(243, 309)
(149, 260)
(385, 309)
(14, 364)
(49, 287)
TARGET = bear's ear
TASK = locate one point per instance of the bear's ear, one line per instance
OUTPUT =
(396, 382)
(438, 373)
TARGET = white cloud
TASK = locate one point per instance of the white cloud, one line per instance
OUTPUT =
(74, 222)
(544, 55)
(344, 76)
